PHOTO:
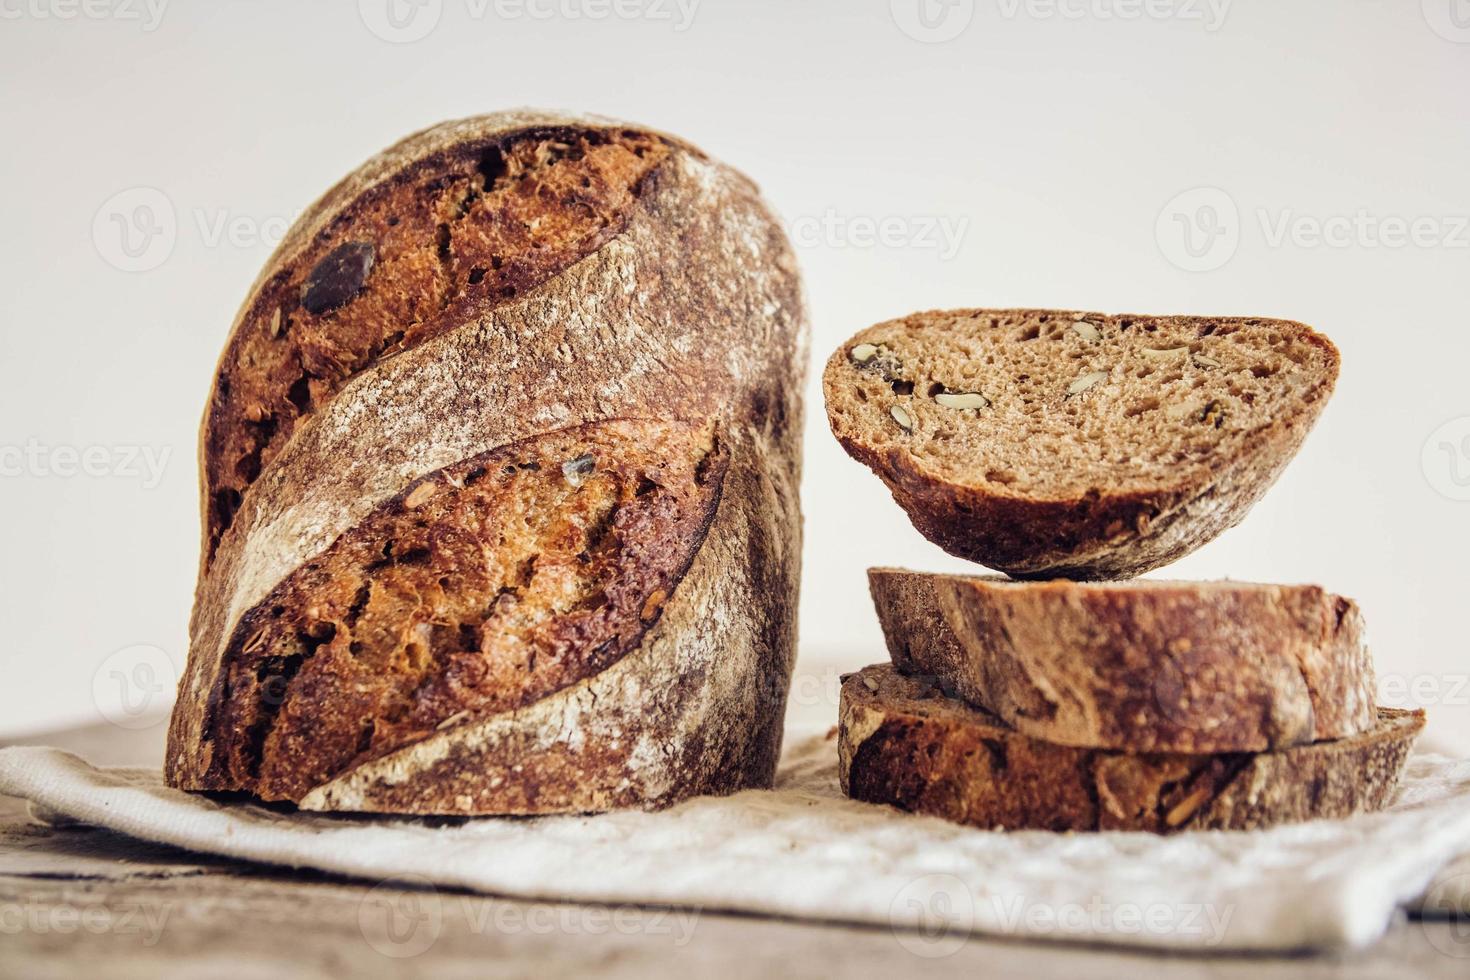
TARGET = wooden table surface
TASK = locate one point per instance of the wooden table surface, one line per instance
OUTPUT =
(81, 902)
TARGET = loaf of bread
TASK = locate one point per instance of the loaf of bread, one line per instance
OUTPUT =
(1139, 666)
(500, 473)
(902, 742)
(1047, 443)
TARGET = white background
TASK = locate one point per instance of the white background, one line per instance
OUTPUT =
(1052, 140)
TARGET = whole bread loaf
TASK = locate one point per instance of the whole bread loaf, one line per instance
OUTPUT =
(1050, 444)
(1139, 666)
(903, 743)
(499, 482)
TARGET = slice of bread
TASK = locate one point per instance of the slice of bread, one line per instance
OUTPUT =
(905, 744)
(1047, 443)
(1138, 666)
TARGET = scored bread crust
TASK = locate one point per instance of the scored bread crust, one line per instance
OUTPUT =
(1137, 666)
(461, 228)
(1104, 532)
(409, 619)
(903, 743)
(692, 310)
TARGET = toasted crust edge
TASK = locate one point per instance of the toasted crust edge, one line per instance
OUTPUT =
(904, 744)
(1140, 667)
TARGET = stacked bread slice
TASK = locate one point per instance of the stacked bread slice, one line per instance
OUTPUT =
(1067, 448)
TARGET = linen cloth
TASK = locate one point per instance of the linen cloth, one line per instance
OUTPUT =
(806, 852)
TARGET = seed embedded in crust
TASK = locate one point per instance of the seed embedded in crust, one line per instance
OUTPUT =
(1087, 331)
(1186, 807)
(863, 353)
(421, 495)
(452, 720)
(654, 603)
(1162, 353)
(1087, 381)
(1179, 411)
(962, 400)
(904, 419)
(338, 278)
(870, 684)
(275, 330)
(1205, 360)
(577, 470)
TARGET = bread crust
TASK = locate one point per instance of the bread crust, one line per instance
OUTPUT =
(1195, 667)
(1107, 533)
(409, 619)
(460, 230)
(693, 310)
(903, 743)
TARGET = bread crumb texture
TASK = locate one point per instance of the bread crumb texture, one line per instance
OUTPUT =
(1050, 442)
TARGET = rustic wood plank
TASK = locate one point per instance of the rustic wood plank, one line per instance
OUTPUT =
(267, 926)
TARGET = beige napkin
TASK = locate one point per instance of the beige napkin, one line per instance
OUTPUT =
(806, 852)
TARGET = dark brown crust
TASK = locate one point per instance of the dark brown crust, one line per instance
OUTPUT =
(434, 250)
(1106, 535)
(904, 744)
(692, 310)
(1139, 667)
(588, 748)
(483, 587)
